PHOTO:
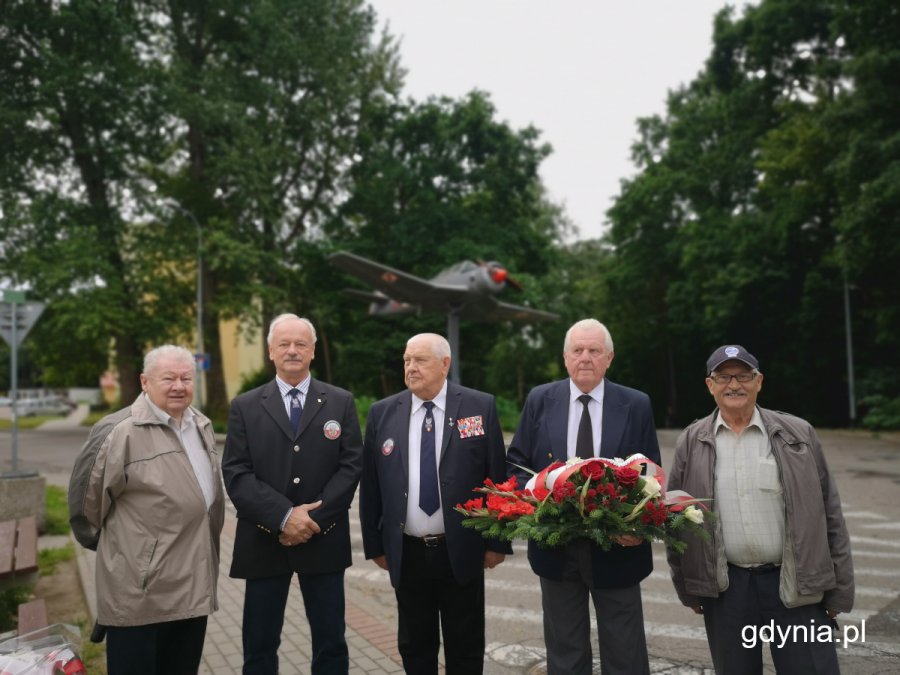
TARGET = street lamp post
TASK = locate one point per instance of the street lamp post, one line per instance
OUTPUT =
(848, 333)
(199, 359)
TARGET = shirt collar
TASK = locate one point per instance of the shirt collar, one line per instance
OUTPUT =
(596, 393)
(755, 421)
(284, 387)
(187, 417)
(440, 401)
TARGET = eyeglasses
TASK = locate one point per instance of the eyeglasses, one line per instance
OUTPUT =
(721, 378)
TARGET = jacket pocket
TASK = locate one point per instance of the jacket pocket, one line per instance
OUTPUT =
(146, 562)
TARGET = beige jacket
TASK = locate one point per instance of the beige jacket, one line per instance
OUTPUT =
(134, 498)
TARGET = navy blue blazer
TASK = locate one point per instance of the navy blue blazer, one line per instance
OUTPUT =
(464, 464)
(540, 440)
(268, 469)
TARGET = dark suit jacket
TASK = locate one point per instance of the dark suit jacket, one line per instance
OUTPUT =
(464, 464)
(540, 440)
(267, 470)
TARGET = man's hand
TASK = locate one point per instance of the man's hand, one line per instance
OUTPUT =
(832, 613)
(300, 527)
(492, 559)
(381, 561)
(627, 540)
(698, 609)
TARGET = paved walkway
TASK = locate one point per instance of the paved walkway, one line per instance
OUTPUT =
(372, 643)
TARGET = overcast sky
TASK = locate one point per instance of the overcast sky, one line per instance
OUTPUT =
(581, 71)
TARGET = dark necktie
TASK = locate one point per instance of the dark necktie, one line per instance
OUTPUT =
(429, 500)
(584, 443)
(296, 409)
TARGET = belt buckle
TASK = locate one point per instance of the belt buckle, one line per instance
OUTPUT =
(431, 541)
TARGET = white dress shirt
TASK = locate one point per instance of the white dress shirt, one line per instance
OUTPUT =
(595, 407)
(419, 523)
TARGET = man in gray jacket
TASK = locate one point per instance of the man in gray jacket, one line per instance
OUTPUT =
(778, 555)
(146, 494)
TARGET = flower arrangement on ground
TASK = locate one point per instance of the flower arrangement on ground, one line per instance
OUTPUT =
(599, 499)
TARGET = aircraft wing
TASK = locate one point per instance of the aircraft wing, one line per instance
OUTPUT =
(395, 284)
(503, 311)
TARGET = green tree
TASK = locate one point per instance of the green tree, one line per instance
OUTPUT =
(79, 120)
(270, 97)
(132, 127)
(744, 218)
(438, 182)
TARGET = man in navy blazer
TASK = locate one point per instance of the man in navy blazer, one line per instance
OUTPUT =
(619, 424)
(292, 461)
(406, 507)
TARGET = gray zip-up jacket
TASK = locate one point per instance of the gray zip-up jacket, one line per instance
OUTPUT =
(134, 498)
(816, 564)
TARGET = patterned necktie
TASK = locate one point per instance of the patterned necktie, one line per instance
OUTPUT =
(584, 442)
(296, 409)
(429, 500)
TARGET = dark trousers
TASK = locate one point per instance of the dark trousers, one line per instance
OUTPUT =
(734, 619)
(264, 604)
(430, 602)
(170, 647)
(567, 621)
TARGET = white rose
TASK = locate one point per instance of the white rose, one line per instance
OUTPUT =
(650, 487)
(693, 514)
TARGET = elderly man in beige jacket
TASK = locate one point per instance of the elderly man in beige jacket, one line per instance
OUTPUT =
(146, 494)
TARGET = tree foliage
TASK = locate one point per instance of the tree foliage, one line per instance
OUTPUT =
(143, 136)
(752, 209)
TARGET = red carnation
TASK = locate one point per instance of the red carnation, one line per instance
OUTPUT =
(654, 512)
(561, 490)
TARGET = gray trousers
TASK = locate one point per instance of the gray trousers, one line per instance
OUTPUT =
(567, 622)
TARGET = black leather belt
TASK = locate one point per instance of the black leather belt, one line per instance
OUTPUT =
(429, 540)
(758, 569)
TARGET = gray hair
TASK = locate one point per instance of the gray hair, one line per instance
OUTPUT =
(174, 352)
(281, 318)
(439, 345)
(591, 324)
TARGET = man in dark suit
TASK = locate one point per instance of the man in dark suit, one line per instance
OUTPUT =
(587, 416)
(292, 461)
(425, 450)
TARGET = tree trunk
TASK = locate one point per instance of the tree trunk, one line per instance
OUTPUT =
(216, 404)
(128, 359)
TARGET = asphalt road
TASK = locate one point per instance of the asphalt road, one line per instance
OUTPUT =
(866, 468)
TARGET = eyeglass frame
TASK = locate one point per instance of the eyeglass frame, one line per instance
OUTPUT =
(752, 376)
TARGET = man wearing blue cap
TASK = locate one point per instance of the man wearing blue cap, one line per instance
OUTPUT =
(778, 555)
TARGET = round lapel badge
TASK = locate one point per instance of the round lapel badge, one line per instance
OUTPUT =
(332, 430)
(387, 447)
